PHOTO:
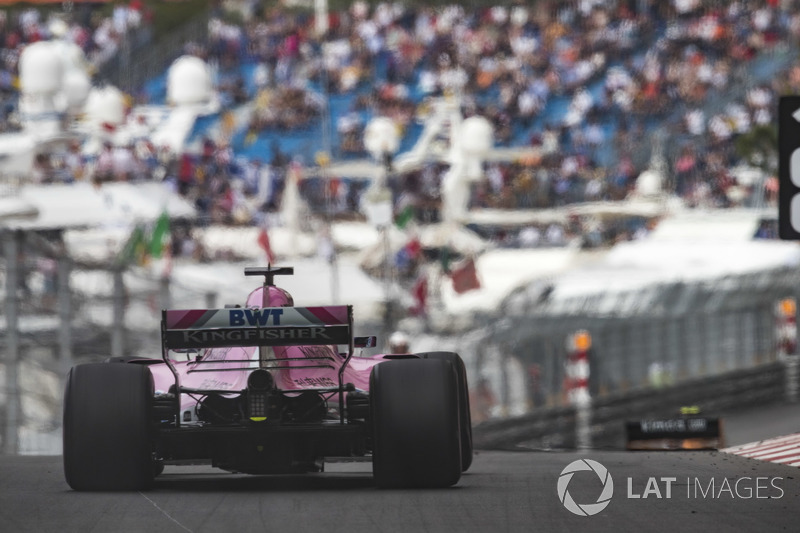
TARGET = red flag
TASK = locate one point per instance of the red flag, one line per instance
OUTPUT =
(413, 248)
(420, 293)
(465, 277)
(263, 242)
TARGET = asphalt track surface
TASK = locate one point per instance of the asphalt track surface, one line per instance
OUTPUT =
(503, 491)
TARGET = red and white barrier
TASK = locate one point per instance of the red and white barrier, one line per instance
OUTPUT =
(577, 383)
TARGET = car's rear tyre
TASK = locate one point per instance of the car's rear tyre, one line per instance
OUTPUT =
(414, 415)
(107, 427)
(464, 416)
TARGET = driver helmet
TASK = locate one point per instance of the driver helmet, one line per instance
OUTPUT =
(276, 297)
(398, 342)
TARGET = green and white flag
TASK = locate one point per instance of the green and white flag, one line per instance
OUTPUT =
(160, 236)
(404, 217)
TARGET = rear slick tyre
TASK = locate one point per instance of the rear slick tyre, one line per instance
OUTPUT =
(464, 415)
(414, 415)
(107, 427)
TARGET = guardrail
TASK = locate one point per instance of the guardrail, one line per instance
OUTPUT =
(556, 427)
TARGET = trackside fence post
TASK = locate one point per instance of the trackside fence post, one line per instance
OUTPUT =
(792, 363)
(65, 354)
(118, 326)
(165, 301)
(211, 299)
(13, 244)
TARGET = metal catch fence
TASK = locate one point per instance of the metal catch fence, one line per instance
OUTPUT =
(652, 338)
(57, 312)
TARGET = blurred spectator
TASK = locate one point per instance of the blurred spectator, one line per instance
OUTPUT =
(75, 162)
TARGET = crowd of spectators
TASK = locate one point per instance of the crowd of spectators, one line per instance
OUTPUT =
(98, 35)
(615, 68)
(620, 65)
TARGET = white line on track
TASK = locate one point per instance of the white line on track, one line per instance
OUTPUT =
(165, 513)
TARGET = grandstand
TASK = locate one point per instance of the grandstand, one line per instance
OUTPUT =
(593, 81)
(591, 87)
(598, 98)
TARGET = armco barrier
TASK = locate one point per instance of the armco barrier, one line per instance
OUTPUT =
(552, 428)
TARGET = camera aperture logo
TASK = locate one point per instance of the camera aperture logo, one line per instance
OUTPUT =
(585, 509)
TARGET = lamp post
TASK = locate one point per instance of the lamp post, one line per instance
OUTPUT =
(382, 141)
(471, 140)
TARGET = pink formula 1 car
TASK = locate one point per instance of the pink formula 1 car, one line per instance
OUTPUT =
(264, 389)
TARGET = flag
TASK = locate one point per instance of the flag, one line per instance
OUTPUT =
(444, 259)
(402, 259)
(135, 248)
(414, 248)
(465, 277)
(405, 216)
(420, 293)
(160, 236)
(263, 242)
(408, 254)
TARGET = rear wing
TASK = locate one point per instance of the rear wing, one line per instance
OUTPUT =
(263, 327)
(267, 326)
(679, 433)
